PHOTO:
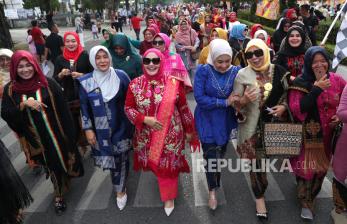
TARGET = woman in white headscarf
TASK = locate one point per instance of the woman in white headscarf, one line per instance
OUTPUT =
(214, 116)
(108, 130)
(5, 61)
(262, 34)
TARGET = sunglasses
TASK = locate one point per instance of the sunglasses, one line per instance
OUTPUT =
(147, 61)
(257, 53)
(158, 43)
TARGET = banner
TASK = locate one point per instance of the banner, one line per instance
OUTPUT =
(11, 13)
(268, 9)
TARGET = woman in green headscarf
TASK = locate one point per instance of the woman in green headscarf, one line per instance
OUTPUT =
(124, 56)
(107, 34)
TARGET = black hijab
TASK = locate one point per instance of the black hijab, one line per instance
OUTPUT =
(280, 33)
(290, 51)
(308, 77)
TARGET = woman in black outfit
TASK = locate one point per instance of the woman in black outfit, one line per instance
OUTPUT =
(72, 64)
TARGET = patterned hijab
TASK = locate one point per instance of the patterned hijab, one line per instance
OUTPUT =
(287, 50)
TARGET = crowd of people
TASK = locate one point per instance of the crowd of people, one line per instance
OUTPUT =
(126, 94)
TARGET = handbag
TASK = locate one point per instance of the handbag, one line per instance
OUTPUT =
(336, 134)
(195, 55)
(283, 139)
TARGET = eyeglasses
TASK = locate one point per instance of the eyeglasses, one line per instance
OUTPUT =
(147, 61)
(157, 43)
(257, 53)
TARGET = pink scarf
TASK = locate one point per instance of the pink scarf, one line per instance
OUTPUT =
(186, 37)
(174, 65)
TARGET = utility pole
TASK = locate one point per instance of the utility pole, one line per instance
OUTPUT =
(5, 36)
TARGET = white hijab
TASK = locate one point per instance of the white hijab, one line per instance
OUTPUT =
(108, 81)
(256, 34)
(6, 52)
(5, 72)
(218, 47)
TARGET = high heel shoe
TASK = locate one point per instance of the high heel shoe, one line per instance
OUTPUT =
(212, 202)
(168, 211)
(262, 215)
(60, 206)
(122, 202)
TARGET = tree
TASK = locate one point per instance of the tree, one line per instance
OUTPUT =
(43, 4)
(92, 4)
(5, 36)
(292, 3)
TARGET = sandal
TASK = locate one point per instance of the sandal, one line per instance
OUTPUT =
(60, 206)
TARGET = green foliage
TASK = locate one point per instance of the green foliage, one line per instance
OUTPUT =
(291, 3)
(43, 4)
(323, 27)
(92, 4)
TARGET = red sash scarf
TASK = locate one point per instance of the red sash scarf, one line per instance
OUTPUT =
(165, 112)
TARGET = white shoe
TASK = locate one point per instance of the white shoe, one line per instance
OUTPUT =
(121, 202)
(306, 214)
(168, 211)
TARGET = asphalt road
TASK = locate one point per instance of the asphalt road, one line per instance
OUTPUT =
(91, 199)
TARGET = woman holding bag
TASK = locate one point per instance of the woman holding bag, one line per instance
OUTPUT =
(259, 96)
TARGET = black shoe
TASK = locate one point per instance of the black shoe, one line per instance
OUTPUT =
(262, 216)
(60, 207)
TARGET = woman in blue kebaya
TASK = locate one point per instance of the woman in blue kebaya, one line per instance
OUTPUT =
(109, 132)
(215, 118)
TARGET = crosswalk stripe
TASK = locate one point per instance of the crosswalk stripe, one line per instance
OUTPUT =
(273, 191)
(19, 163)
(97, 193)
(147, 193)
(326, 191)
(200, 183)
(43, 195)
(9, 139)
(2, 123)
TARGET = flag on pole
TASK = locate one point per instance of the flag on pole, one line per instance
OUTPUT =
(341, 39)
